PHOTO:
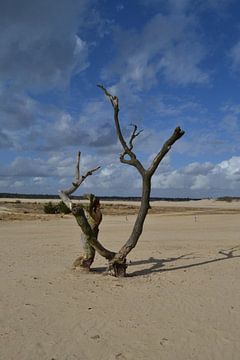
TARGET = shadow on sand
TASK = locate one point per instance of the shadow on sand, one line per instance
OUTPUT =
(158, 265)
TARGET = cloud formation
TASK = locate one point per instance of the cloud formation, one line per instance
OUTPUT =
(39, 44)
(167, 45)
(199, 179)
(168, 67)
(196, 179)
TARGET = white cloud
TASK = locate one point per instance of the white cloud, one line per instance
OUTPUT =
(198, 168)
(200, 182)
(202, 179)
(230, 125)
(235, 56)
(39, 46)
(171, 180)
(93, 128)
(17, 110)
(80, 52)
(168, 45)
(29, 125)
(231, 168)
(5, 141)
(57, 172)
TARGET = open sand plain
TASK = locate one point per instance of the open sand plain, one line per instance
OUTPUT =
(181, 300)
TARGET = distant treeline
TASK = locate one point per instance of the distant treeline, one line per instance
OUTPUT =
(229, 198)
(106, 198)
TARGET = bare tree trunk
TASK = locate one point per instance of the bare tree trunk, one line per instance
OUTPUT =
(88, 252)
(89, 224)
(91, 234)
(138, 226)
(118, 263)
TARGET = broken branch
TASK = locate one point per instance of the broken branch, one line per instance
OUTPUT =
(64, 194)
(177, 134)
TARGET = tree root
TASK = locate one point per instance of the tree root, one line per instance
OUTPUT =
(82, 263)
(117, 268)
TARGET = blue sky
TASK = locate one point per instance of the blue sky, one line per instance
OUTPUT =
(170, 62)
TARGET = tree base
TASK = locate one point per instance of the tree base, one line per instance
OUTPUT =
(118, 269)
(82, 264)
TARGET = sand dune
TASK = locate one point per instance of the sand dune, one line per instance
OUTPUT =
(180, 301)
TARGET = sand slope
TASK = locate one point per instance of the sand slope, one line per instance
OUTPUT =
(181, 300)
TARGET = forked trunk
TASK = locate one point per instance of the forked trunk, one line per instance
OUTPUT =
(117, 261)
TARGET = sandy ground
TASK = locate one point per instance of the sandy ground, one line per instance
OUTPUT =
(180, 301)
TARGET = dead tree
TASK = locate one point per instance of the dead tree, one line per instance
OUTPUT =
(88, 217)
(117, 261)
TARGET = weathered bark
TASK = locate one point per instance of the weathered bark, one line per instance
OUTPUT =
(138, 226)
(86, 259)
(84, 262)
(89, 226)
(118, 263)
(90, 233)
(88, 218)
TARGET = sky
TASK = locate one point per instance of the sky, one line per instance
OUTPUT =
(170, 62)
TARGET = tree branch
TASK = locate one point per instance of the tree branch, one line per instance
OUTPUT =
(135, 133)
(64, 194)
(78, 211)
(127, 149)
(177, 134)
